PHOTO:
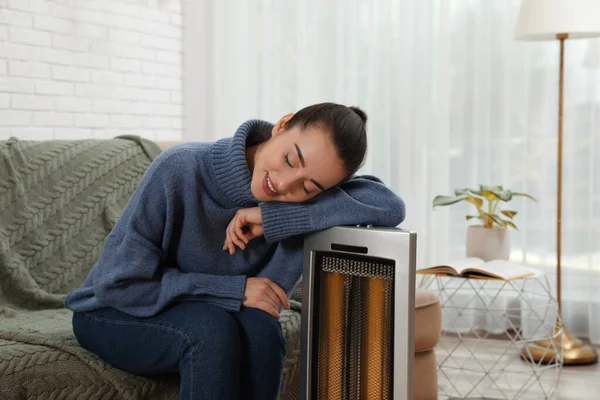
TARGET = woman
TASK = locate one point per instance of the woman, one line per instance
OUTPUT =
(180, 285)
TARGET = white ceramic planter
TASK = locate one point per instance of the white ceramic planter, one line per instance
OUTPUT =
(488, 243)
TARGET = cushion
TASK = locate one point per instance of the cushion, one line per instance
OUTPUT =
(428, 319)
(425, 376)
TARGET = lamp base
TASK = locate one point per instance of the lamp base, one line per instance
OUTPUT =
(574, 351)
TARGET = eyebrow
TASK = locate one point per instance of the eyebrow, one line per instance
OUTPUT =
(303, 163)
(300, 156)
(317, 184)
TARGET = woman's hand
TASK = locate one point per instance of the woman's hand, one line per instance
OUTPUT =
(264, 294)
(245, 217)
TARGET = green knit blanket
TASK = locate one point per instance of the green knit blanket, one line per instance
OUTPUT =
(58, 201)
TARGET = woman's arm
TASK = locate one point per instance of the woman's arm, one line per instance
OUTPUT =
(128, 277)
(285, 265)
(361, 200)
(131, 275)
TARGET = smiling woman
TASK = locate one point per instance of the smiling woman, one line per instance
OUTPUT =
(165, 266)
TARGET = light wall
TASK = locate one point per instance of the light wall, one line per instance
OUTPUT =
(90, 69)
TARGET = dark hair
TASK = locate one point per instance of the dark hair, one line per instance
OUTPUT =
(346, 125)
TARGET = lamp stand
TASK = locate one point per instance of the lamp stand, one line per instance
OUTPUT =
(574, 352)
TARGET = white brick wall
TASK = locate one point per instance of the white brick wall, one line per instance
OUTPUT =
(74, 69)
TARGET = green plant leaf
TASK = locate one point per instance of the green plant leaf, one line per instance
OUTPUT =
(491, 196)
(474, 200)
(491, 188)
(508, 213)
(499, 221)
(472, 191)
(460, 192)
(446, 200)
(505, 195)
(472, 216)
(511, 224)
(525, 195)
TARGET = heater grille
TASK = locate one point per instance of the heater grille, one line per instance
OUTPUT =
(353, 317)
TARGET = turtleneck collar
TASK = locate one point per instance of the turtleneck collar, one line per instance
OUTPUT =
(229, 161)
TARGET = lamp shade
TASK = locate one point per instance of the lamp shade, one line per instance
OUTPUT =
(544, 19)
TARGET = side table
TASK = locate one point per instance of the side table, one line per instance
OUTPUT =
(486, 324)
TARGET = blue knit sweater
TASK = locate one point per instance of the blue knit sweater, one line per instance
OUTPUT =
(167, 245)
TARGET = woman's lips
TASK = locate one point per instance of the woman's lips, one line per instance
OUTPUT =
(266, 187)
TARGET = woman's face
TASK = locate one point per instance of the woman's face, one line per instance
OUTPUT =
(294, 165)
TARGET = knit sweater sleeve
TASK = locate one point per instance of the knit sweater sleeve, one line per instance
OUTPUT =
(131, 274)
(285, 265)
(360, 200)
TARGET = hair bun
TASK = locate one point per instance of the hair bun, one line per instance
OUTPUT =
(360, 113)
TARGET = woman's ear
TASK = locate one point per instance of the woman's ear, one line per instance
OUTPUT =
(280, 125)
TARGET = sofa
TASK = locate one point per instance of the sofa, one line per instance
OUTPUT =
(58, 201)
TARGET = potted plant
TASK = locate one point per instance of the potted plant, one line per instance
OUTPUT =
(490, 240)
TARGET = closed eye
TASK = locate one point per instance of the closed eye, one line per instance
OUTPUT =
(286, 157)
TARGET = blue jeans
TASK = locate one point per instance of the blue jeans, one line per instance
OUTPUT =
(218, 354)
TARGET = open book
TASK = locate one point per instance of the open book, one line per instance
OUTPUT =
(477, 268)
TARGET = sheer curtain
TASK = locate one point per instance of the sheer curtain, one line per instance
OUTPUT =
(453, 101)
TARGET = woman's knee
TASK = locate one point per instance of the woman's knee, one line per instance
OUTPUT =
(261, 327)
(211, 329)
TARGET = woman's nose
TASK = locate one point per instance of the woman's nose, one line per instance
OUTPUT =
(286, 182)
(283, 185)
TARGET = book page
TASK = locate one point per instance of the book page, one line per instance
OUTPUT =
(505, 269)
(466, 263)
(458, 265)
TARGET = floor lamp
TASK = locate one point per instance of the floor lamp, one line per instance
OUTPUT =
(560, 20)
